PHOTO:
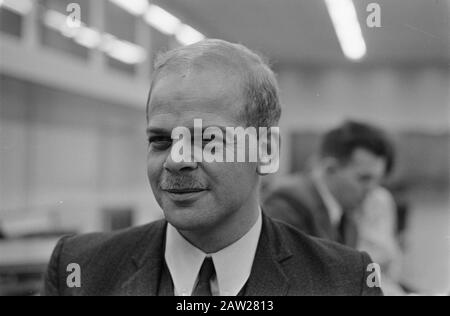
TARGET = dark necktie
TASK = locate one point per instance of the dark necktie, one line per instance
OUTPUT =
(207, 271)
(342, 230)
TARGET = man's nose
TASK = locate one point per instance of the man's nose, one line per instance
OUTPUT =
(174, 166)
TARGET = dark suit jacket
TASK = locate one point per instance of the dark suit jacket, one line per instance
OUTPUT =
(130, 262)
(296, 201)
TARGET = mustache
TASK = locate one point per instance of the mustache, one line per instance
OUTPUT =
(180, 182)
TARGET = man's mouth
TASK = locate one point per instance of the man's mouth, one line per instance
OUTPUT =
(185, 196)
(185, 190)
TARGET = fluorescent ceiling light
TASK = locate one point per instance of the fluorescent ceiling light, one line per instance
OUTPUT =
(68, 31)
(54, 19)
(123, 51)
(88, 37)
(135, 7)
(21, 7)
(348, 30)
(169, 24)
(187, 35)
(162, 20)
(107, 42)
(126, 52)
(58, 21)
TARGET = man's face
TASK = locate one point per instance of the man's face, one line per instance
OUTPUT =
(351, 182)
(196, 195)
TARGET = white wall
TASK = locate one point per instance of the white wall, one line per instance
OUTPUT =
(71, 154)
(399, 99)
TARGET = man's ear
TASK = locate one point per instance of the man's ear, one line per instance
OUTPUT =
(269, 143)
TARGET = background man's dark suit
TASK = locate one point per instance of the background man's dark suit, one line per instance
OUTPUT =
(296, 201)
(130, 262)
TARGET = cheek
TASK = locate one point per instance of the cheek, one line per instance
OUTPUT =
(355, 183)
(154, 167)
(355, 187)
(231, 177)
(350, 185)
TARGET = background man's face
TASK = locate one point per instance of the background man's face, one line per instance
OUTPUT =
(351, 182)
(193, 195)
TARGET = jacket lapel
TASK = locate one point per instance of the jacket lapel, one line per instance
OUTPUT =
(321, 212)
(347, 234)
(268, 277)
(145, 267)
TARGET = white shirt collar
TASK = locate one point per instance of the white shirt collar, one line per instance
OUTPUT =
(333, 207)
(233, 264)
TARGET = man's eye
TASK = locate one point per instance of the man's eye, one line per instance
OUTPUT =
(160, 143)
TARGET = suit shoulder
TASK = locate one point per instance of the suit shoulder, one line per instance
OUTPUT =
(330, 265)
(332, 251)
(100, 258)
(290, 199)
(296, 187)
(88, 245)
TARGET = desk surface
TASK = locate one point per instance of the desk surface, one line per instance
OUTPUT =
(23, 252)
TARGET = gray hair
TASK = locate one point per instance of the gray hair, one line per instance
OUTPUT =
(260, 88)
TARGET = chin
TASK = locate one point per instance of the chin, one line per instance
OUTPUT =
(189, 218)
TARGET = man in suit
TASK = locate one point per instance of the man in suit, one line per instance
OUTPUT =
(352, 160)
(215, 239)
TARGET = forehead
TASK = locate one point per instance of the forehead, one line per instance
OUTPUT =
(211, 95)
(365, 161)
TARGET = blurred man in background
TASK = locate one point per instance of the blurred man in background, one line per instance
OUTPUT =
(352, 160)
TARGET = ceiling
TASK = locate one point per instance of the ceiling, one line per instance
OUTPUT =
(301, 32)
